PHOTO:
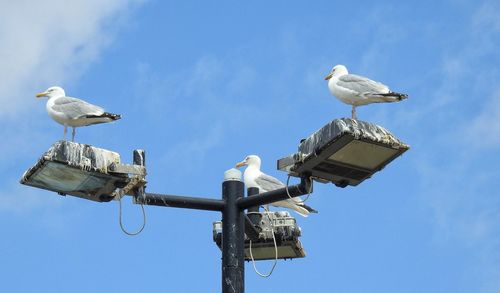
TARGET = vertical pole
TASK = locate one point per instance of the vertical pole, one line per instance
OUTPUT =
(139, 158)
(255, 218)
(233, 234)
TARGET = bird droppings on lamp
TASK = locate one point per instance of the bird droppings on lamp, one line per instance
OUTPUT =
(345, 152)
(80, 170)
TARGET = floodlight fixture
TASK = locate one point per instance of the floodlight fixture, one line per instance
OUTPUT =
(81, 170)
(286, 232)
(345, 152)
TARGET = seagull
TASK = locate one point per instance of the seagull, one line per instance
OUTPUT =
(72, 111)
(253, 177)
(357, 90)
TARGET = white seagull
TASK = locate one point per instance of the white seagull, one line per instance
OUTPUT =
(73, 112)
(253, 177)
(357, 90)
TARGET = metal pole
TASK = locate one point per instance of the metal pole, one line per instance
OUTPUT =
(255, 218)
(185, 202)
(276, 195)
(233, 234)
(139, 158)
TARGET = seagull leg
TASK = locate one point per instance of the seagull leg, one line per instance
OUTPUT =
(353, 112)
(65, 131)
(73, 135)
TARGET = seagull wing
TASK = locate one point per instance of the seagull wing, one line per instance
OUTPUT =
(362, 85)
(75, 108)
(268, 183)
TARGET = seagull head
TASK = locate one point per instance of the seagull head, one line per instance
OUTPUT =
(250, 161)
(337, 70)
(54, 91)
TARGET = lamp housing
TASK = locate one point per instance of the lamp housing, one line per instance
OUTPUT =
(345, 152)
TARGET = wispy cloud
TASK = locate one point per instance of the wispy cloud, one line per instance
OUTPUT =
(193, 150)
(454, 115)
(18, 199)
(42, 44)
(484, 129)
(213, 97)
(50, 42)
(463, 113)
(379, 37)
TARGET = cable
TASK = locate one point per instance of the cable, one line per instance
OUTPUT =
(120, 219)
(288, 193)
(275, 252)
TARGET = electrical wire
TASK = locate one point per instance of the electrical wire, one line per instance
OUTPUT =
(120, 219)
(275, 252)
(288, 192)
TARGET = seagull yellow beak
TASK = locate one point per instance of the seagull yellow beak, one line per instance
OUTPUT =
(240, 164)
(328, 76)
(39, 95)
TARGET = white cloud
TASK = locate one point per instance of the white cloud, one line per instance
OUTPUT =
(43, 43)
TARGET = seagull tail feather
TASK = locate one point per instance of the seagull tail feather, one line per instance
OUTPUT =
(106, 115)
(111, 116)
(304, 210)
(398, 96)
(309, 209)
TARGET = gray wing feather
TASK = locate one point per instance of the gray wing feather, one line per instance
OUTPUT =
(362, 84)
(75, 108)
(268, 183)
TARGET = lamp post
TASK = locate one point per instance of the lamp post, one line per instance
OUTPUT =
(233, 234)
(344, 152)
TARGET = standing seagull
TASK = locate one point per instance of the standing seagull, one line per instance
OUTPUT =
(73, 112)
(357, 90)
(253, 177)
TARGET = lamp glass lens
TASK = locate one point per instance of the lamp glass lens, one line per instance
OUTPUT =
(363, 154)
(63, 178)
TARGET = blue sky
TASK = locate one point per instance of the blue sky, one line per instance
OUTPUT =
(202, 85)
